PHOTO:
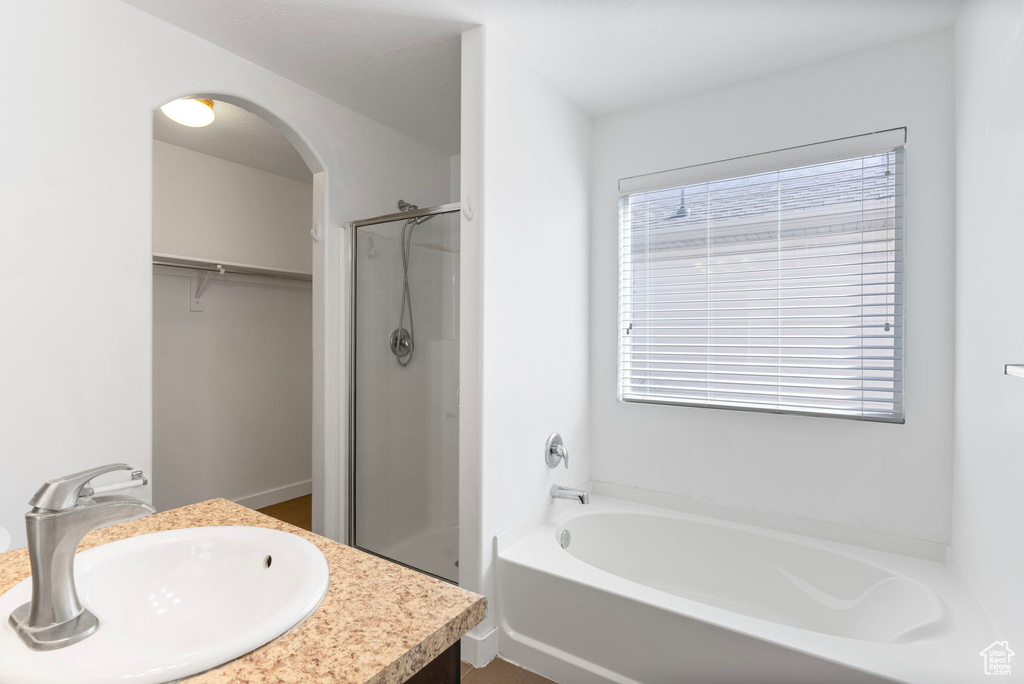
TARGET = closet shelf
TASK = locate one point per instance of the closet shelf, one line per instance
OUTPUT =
(1014, 369)
(228, 267)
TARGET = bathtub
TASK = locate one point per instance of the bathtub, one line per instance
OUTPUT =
(650, 595)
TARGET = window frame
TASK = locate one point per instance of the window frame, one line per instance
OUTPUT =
(890, 140)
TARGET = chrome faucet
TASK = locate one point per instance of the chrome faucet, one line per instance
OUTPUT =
(560, 492)
(63, 512)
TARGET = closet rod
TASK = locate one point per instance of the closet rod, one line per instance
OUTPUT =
(228, 267)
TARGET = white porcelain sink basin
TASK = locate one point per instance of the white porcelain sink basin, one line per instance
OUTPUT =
(173, 604)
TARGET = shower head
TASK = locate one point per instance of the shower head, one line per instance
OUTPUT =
(406, 206)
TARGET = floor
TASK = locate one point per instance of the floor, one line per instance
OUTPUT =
(298, 512)
(499, 671)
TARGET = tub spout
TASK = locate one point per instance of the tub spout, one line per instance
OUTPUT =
(560, 492)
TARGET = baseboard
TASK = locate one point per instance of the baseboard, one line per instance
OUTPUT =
(276, 495)
(478, 651)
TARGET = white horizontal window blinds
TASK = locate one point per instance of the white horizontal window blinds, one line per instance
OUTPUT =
(778, 291)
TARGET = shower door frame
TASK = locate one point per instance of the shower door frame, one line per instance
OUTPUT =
(354, 226)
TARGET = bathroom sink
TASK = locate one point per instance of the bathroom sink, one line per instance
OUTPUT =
(172, 604)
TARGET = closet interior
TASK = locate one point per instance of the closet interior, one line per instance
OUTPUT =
(232, 315)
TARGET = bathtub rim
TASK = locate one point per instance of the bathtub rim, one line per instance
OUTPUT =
(759, 520)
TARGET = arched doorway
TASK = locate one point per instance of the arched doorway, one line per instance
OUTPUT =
(238, 378)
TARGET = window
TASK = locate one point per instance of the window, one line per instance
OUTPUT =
(768, 283)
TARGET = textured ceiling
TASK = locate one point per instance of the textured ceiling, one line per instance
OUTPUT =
(239, 136)
(397, 61)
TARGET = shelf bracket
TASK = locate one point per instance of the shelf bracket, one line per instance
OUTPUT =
(206, 276)
(197, 301)
(1014, 369)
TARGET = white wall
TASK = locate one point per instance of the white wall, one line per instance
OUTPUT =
(888, 478)
(473, 556)
(232, 389)
(988, 508)
(525, 156)
(211, 208)
(232, 384)
(455, 183)
(76, 242)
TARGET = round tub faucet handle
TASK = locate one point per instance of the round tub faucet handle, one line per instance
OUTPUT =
(555, 451)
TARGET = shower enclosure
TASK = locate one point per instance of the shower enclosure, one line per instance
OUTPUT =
(404, 456)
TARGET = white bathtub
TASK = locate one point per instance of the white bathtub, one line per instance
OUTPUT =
(651, 595)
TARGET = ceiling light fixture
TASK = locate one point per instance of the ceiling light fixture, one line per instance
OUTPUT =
(190, 112)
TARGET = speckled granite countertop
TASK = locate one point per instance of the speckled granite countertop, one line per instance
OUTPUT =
(379, 622)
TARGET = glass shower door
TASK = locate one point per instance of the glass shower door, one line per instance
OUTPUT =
(406, 375)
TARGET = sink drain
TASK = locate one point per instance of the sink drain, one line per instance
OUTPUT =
(268, 561)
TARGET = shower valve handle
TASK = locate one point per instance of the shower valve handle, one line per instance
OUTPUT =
(555, 451)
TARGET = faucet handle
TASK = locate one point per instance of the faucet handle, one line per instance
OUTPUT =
(63, 493)
(555, 451)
